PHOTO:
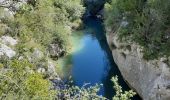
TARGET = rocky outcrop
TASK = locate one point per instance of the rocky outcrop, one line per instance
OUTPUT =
(151, 79)
(6, 51)
(55, 50)
(10, 7)
(5, 47)
(52, 68)
(8, 40)
(13, 5)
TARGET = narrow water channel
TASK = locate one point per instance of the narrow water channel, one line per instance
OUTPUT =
(93, 62)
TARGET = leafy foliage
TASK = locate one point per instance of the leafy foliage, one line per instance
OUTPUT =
(38, 88)
(36, 25)
(20, 81)
(145, 22)
(83, 93)
(46, 22)
(120, 95)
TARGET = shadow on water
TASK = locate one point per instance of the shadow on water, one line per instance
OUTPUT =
(93, 62)
(98, 28)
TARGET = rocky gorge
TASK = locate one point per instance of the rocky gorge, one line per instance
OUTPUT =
(150, 79)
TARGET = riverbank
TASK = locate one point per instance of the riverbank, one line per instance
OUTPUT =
(140, 45)
(92, 61)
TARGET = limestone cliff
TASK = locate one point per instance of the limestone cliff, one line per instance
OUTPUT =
(150, 79)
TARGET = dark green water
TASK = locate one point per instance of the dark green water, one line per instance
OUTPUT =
(93, 62)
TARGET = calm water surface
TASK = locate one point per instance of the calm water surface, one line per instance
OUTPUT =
(92, 62)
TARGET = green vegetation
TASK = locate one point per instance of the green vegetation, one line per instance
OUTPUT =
(46, 22)
(36, 25)
(145, 22)
(120, 95)
(21, 81)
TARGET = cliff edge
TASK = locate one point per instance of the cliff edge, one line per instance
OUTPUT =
(150, 79)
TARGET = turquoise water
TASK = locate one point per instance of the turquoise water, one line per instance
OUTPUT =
(92, 61)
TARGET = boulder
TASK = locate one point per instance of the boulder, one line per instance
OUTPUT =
(7, 40)
(37, 54)
(6, 51)
(10, 7)
(51, 67)
(41, 70)
(55, 50)
(6, 13)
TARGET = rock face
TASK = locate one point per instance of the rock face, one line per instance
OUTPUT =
(5, 49)
(151, 79)
(55, 50)
(8, 40)
(10, 7)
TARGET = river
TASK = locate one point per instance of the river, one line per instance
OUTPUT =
(92, 61)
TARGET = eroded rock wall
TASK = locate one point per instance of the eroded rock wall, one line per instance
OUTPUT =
(151, 79)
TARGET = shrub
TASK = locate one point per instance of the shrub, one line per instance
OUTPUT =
(46, 22)
(22, 82)
(147, 24)
(121, 95)
(38, 88)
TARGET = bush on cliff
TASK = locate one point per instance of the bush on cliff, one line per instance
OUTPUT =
(46, 21)
(36, 25)
(145, 22)
(19, 80)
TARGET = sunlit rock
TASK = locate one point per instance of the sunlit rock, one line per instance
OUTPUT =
(150, 79)
(6, 13)
(7, 40)
(6, 51)
(52, 70)
(41, 70)
(10, 7)
(37, 54)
